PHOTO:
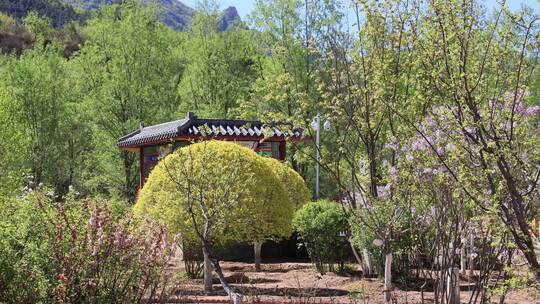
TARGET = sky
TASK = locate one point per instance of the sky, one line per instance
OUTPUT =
(245, 7)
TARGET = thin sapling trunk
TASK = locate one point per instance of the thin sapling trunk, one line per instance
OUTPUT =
(257, 252)
(207, 271)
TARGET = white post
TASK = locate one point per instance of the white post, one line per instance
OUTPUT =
(471, 254)
(318, 157)
(462, 258)
(388, 277)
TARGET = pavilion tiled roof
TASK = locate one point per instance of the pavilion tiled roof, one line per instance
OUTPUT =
(193, 127)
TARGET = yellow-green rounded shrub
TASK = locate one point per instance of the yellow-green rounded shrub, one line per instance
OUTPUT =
(222, 183)
(294, 184)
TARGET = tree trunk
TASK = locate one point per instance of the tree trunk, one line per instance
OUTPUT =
(463, 258)
(471, 256)
(521, 231)
(357, 257)
(452, 286)
(367, 266)
(257, 252)
(388, 277)
(207, 270)
(373, 170)
(235, 297)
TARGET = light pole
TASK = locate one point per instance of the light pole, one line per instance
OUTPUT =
(316, 125)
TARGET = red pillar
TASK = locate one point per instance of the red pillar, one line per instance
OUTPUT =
(282, 150)
(141, 168)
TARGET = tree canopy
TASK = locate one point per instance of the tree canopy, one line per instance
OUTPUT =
(223, 183)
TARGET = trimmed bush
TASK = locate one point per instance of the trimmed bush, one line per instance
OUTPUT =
(217, 191)
(246, 199)
(320, 225)
(294, 184)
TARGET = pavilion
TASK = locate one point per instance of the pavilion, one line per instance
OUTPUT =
(154, 142)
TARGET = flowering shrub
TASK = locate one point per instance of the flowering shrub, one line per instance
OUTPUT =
(78, 251)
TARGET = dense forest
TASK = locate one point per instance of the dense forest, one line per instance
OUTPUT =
(431, 146)
(70, 92)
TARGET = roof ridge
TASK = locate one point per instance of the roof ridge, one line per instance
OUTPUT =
(227, 120)
(129, 135)
(165, 123)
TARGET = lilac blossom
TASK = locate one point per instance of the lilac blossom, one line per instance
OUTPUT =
(393, 144)
(532, 111)
(418, 145)
(451, 147)
(392, 171)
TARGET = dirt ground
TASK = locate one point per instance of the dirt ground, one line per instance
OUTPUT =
(299, 283)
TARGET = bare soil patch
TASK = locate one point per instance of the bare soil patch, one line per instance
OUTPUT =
(296, 282)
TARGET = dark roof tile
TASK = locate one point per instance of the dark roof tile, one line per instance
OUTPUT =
(192, 126)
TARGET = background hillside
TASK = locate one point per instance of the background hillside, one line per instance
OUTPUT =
(175, 14)
(58, 11)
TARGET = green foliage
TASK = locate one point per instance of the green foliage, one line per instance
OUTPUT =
(357, 292)
(129, 70)
(220, 66)
(39, 27)
(67, 252)
(56, 10)
(227, 190)
(293, 183)
(320, 225)
(9, 24)
(47, 134)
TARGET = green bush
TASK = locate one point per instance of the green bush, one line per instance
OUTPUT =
(320, 225)
(78, 251)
